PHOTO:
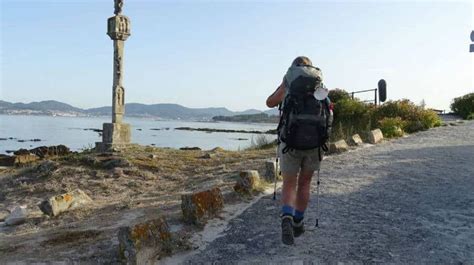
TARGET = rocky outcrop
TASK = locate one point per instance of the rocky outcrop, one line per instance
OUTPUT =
(145, 243)
(17, 160)
(23, 157)
(198, 207)
(375, 136)
(248, 181)
(48, 151)
(190, 148)
(65, 202)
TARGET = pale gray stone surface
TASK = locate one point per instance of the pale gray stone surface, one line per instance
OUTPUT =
(4, 214)
(17, 216)
(271, 170)
(338, 147)
(355, 140)
(375, 136)
(65, 202)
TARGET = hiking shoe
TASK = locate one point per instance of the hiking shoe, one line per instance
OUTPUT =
(287, 230)
(298, 228)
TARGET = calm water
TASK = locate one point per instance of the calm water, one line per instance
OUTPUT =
(70, 132)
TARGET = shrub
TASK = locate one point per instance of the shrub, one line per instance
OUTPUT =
(392, 127)
(463, 106)
(337, 95)
(470, 116)
(393, 117)
(415, 117)
(351, 116)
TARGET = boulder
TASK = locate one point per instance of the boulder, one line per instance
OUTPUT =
(65, 202)
(145, 243)
(248, 181)
(338, 147)
(198, 207)
(46, 168)
(25, 159)
(208, 156)
(89, 160)
(190, 148)
(17, 216)
(4, 214)
(271, 170)
(355, 140)
(47, 151)
(7, 161)
(21, 152)
(118, 173)
(116, 162)
(375, 136)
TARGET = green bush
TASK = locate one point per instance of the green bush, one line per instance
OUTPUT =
(392, 127)
(415, 117)
(470, 116)
(350, 117)
(337, 95)
(463, 106)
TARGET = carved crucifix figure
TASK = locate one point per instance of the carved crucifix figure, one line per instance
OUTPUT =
(118, 7)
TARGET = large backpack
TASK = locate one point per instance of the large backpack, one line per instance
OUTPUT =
(304, 121)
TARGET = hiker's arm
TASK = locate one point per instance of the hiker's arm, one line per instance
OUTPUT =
(277, 97)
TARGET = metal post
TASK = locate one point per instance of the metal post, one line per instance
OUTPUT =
(317, 201)
(376, 90)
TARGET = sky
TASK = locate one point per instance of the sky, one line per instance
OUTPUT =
(234, 53)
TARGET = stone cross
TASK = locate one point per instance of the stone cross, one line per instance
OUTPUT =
(117, 134)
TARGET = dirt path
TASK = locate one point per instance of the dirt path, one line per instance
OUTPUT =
(409, 200)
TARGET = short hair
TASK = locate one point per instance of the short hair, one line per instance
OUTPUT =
(301, 60)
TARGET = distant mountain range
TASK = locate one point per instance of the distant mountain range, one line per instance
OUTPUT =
(163, 111)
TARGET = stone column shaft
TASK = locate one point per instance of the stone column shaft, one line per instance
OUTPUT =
(118, 94)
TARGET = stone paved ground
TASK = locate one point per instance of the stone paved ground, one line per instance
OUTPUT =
(409, 200)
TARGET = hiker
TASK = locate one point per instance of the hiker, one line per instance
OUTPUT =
(305, 125)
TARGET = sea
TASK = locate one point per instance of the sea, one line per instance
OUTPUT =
(79, 133)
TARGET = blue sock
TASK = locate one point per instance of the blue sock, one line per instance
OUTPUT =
(299, 215)
(287, 210)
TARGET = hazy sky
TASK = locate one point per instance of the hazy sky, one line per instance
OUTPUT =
(234, 53)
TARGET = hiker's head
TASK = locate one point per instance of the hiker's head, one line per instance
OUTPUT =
(301, 60)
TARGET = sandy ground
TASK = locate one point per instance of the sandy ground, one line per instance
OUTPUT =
(405, 201)
(150, 185)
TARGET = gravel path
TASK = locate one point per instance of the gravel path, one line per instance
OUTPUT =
(409, 200)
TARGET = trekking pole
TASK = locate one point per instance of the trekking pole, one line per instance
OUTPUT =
(276, 177)
(317, 201)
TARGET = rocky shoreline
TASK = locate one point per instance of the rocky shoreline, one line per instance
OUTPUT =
(211, 130)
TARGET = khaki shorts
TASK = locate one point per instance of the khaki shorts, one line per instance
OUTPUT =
(292, 161)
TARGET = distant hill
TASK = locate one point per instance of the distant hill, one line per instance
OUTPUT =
(254, 118)
(164, 110)
(48, 107)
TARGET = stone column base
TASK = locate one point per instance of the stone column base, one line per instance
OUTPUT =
(115, 136)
